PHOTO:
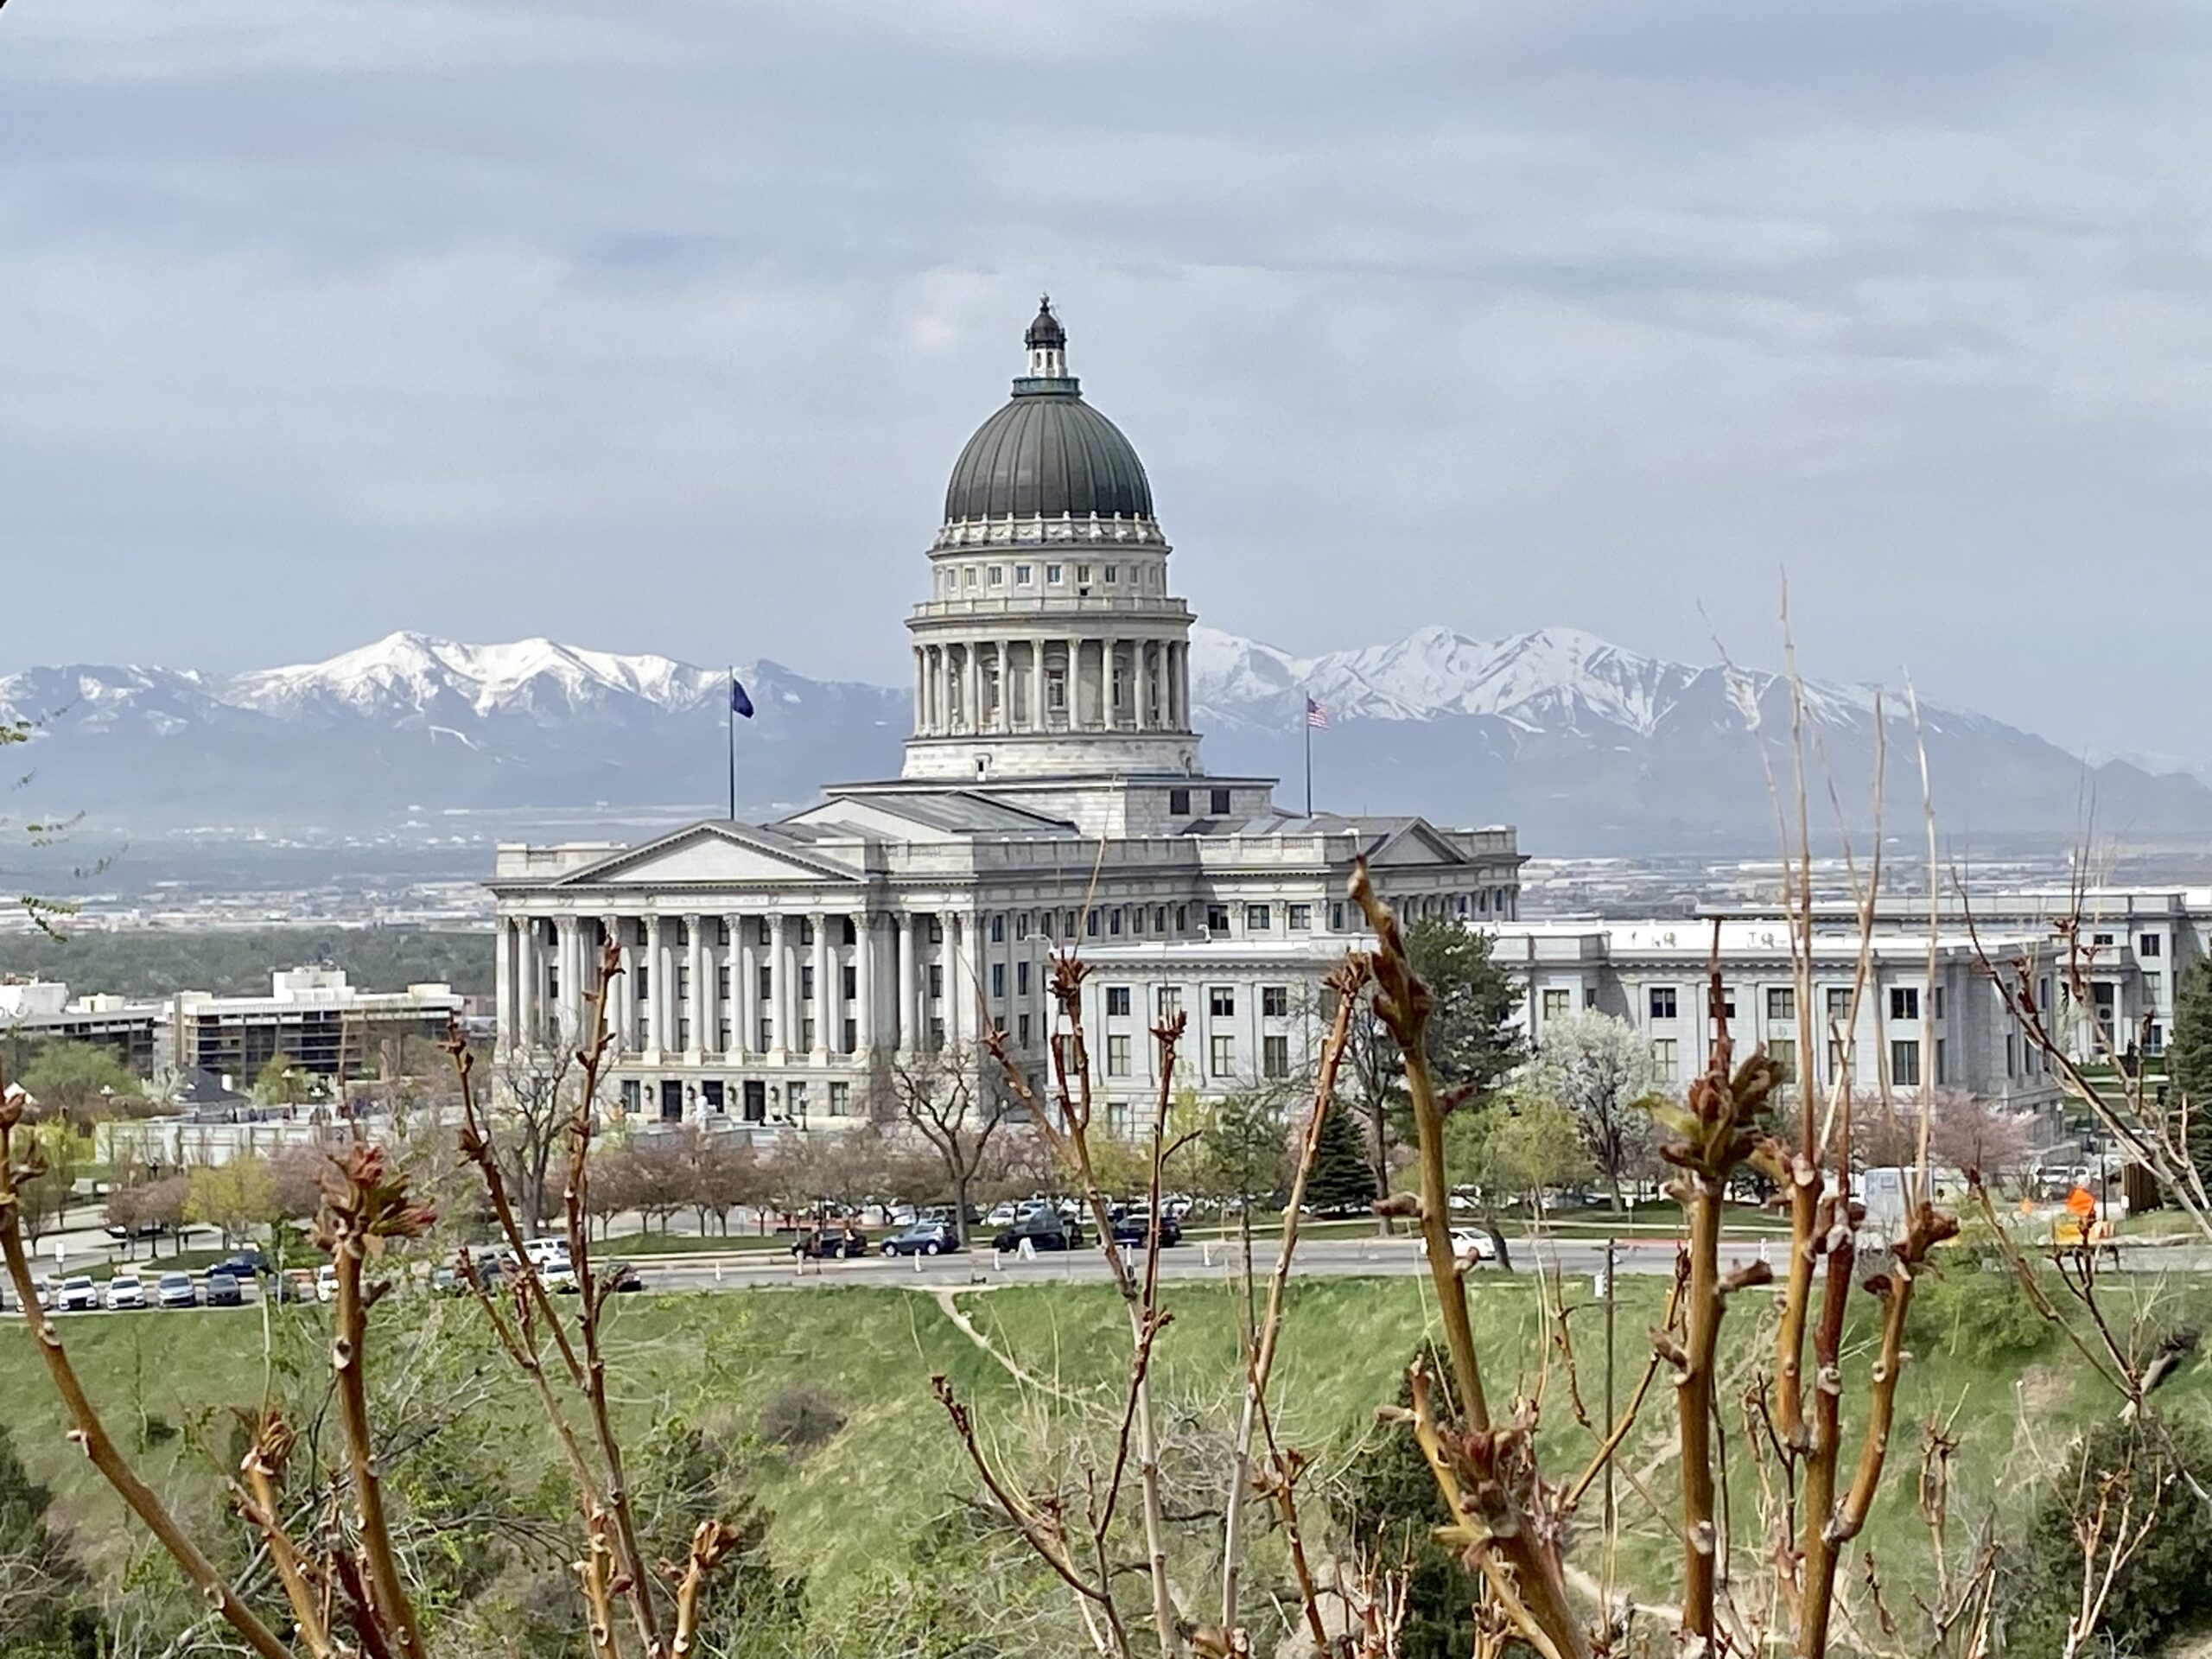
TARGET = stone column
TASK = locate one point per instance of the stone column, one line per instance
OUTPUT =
(921, 689)
(864, 986)
(971, 693)
(655, 1035)
(1142, 652)
(746, 987)
(825, 992)
(779, 1032)
(1036, 717)
(736, 1010)
(624, 989)
(908, 1029)
(702, 990)
(502, 982)
(569, 950)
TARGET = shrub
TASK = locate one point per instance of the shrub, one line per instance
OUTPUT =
(2166, 1586)
(1973, 1306)
(800, 1417)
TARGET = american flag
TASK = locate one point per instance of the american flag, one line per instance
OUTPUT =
(1316, 716)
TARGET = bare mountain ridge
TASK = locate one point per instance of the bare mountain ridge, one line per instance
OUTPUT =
(1587, 747)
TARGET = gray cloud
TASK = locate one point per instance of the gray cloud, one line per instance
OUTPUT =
(658, 326)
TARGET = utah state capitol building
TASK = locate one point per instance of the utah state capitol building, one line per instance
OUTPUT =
(1053, 795)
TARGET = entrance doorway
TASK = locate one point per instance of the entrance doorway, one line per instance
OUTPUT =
(756, 1100)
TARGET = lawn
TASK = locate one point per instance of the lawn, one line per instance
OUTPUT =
(861, 1499)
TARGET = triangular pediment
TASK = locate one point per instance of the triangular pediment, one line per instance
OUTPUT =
(707, 855)
(1413, 843)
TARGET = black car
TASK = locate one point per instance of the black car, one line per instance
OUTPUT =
(621, 1276)
(923, 1238)
(223, 1289)
(245, 1264)
(1131, 1229)
(820, 1243)
(1043, 1230)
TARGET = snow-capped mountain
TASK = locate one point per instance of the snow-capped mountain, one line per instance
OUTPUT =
(1587, 747)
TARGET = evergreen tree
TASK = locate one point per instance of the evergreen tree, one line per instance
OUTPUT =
(1341, 1180)
(1395, 1510)
(46, 1615)
(2188, 1061)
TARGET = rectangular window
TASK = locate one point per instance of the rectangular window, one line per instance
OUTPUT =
(1218, 918)
(1275, 1057)
(1781, 1003)
(1257, 918)
(937, 979)
(1021, 575)
(998, 981)
(1336, 916)
(1221, 1002)
(721, 984)
(2154, 1039)
(1838, 1004)
(2100, 939)
(849, 931)
(1091, 923)
(937, 1036)
(684, 1034)
(806, 1031)
(1783, 1052)
(1300, 919)
(968, 576)
(1022, 978)
(1109, 574)
(763, 933)
(1082, 573)
(852, 1038)
(2154, 990)
(841, 1100)
(1663, 1002)
(1274, 1001)
(1178, 803)
(1220, 1057)
(1218, 803)
(1052, 573)
(767, 975)
(806, 931)
(994, 575)
(1557, 1004)
(806, 984)
(998, 927)
(1117, 1000)
(1171, 1002)
(2148, 945)
(684, 984)
(1114, 921)
(1056, 690)
(849, 979)
(1159, 919)
(1904, 1062)
(1936, 1001)
(1904, 1002)
(937, 929)
(1022, 1025)
(645, 982)
(1117, 1056)
(765, 1035)
(1664, 1060)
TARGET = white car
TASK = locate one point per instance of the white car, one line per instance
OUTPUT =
(556, 1272)
(79, 1294)
(126, 1290)
(544, 1248)
(326, 1282)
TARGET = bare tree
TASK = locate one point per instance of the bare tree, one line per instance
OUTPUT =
(533, 1097)
(958, 1117)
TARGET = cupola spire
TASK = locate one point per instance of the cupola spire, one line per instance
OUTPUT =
(1048, 344)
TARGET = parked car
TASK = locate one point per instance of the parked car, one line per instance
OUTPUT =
(557, 1274)
(49, 1293)
(819, 1243)
(176, 1290)
(224, 1290)
(244, 1264)
(326, 1282)
(79, 1294)
(1133, 1228)
(622, 1277)
(923, 1238)
(1000, 1215)
(295, 1286)
(543, 1248)
(1045, 1230)
(126, 1290)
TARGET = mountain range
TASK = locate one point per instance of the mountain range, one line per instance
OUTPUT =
(1588, 747)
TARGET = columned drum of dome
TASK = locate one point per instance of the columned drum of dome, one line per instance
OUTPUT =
(1050, 646)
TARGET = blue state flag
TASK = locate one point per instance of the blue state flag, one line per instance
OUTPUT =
(739, 703)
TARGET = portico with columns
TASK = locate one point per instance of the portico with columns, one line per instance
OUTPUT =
(777, 976)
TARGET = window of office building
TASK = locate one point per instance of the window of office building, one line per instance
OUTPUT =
(1257, 918)
(1171, 1002)
(1275, 1057)
(1557, 1004)
(1274, 1001)
(1222, 1057)
(1663, 1002)
(841, 1100)
(1218, 918)
(1117, 999)
(1117, 1056)
(1665, 1058)
(1300, 919)
(1904, 1062)
(1221, 1002)
(1904, 1002)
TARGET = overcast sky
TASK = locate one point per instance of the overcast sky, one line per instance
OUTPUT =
(658, 325)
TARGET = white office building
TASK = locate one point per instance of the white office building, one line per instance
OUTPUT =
(1053, 795)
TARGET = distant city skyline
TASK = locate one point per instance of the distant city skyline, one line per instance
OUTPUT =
(660, 330)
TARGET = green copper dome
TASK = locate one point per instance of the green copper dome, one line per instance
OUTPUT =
(1047, 452)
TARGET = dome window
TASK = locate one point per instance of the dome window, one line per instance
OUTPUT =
(1110, 574)
(1021, 573)
(1053, 574)
(995, 576)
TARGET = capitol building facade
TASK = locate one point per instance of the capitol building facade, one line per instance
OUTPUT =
(1052, 797)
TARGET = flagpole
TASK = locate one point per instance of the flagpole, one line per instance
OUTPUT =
(730, 698)
(1306, 719)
